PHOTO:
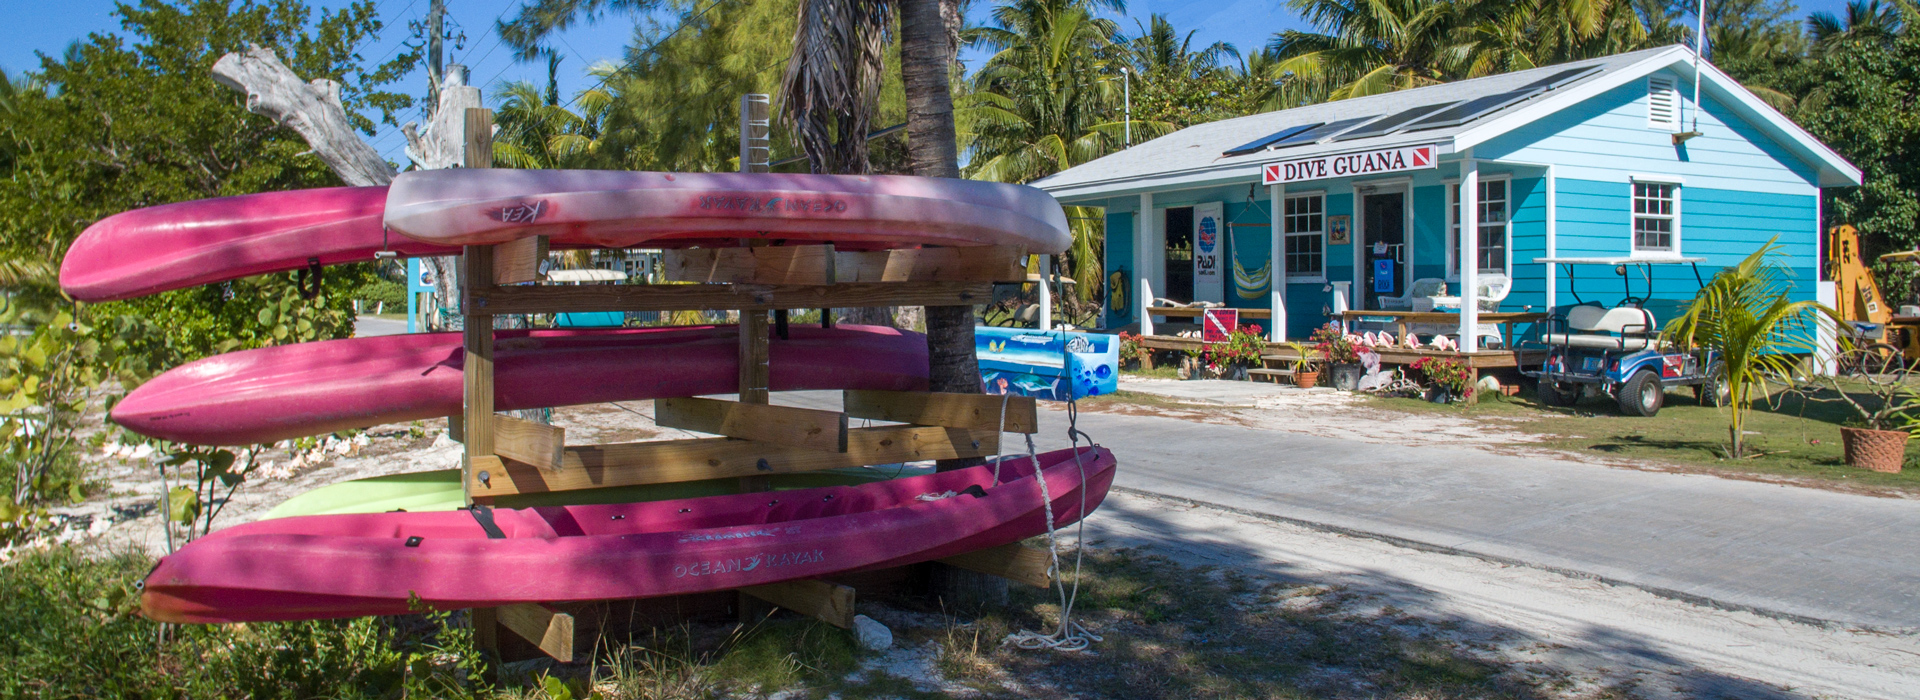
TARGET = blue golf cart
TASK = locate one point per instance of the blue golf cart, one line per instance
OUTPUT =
(1594, 349)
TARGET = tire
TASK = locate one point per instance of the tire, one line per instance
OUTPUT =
(1713, 392)
(1641, 395)
(1551, 394)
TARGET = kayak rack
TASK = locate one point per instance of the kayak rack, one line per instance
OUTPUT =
(762, 281)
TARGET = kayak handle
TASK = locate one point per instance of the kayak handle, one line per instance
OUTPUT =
(300, 279)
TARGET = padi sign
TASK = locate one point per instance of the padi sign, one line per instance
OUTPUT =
(1387, 160)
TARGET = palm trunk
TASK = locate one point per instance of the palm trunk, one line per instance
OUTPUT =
(925, 61)
(926, 50)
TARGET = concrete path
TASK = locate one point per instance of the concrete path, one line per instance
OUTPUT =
(373, 325)
(1778, 549)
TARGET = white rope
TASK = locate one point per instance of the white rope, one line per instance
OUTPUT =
(998, 439)
(1070, 636)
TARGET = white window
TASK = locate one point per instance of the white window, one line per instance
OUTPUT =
(1493, 227)
(1304, 220)
(1656, 217)
(1663, 103)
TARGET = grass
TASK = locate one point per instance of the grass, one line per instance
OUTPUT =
(68, 629)
(1794, 434)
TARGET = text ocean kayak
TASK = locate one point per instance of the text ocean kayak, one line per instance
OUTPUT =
(289, 391)
(328, 566)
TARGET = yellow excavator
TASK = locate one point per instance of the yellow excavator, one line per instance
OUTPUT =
(1882, 338)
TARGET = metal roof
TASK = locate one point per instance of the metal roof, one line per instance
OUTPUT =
(1193, 157)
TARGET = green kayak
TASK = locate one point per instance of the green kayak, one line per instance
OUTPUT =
(440, 490)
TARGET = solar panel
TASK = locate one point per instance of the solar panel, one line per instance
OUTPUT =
(1321, 132)
(1471, 110)
(1387, 125)
(1561, 78)
(1262, 142)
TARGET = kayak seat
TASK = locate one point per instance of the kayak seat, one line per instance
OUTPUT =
(1620, 328)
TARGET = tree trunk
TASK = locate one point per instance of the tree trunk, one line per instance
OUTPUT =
(927, 33)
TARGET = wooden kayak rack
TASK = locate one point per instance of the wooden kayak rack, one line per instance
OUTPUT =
(505, 455)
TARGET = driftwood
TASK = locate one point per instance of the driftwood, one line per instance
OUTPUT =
(311, 108)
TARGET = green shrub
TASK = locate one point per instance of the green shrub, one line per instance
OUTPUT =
(382, 290)
(70, 628)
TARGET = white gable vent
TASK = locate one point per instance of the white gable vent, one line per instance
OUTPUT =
(1663, 103)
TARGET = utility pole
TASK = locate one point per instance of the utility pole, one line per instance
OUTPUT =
(436, 48)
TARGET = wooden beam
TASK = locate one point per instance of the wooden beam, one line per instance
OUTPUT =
(540, 299)
(486, 625)
(670, 461)
(967, 264)
(476, 276)
(972, 411)
(798, 264)
(831, 603)
(755, 371)
(778, 425)
(538, 444)
(476, 421)
(518, 261)
(1015, 562)
(549, 629)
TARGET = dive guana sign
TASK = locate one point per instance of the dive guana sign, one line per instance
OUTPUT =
(1386, 160)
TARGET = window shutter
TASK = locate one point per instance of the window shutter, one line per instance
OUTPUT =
(1663, 103)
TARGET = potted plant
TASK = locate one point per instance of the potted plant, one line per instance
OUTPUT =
(1341, 355)
(1449, 378)
(1306, 371)
(1133, 354)
(1876, 438)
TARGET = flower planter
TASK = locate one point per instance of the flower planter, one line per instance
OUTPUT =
(1439, 394)
(1876, 450)
(1346, 377)
(1306, 380)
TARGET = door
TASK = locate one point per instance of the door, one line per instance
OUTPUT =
(1179, 255)
(1383, 218)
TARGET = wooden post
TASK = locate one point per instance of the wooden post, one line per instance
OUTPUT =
(477, 334)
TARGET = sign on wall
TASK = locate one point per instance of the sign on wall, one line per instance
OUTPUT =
(1386, 160)
(1209, 243)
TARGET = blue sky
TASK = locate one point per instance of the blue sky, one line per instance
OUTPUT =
(48, 27)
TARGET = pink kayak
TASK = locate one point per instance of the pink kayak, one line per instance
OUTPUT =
(289, 391)
(173, 246)
(326, 566)
(617, 209)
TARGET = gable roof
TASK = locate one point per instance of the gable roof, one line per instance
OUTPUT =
(1193, 157)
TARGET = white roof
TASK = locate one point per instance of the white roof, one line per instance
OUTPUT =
(1192, 157)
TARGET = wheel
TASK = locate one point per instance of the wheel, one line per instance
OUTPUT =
(1713, 392)
(1641, 395)
(1556, 394)
(1876, 363)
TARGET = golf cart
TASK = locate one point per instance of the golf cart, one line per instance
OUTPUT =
(1592, 348)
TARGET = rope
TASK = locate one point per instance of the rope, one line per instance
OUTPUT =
(1070, 636)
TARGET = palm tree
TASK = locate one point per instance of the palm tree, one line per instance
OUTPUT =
(537, 132)
(1745, 316)
(1865, 21)
(1501, 37)
(1045, 101)
(1040, 105)
(1160, 49)
(1367, 48)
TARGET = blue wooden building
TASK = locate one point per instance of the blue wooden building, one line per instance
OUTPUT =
(1360, 203)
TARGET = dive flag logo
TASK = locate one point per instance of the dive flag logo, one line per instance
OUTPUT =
(1423, 156)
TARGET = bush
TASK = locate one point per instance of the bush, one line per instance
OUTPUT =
(381, 290)
(70, 628)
